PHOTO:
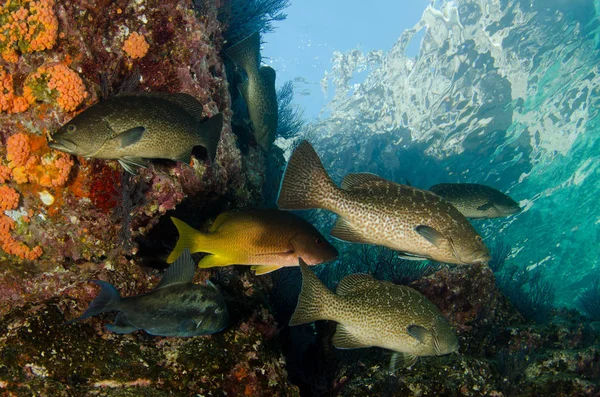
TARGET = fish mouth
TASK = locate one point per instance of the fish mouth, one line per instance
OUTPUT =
(482, 258)
(62, 145)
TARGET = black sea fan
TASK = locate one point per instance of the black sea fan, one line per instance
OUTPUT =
(291, 117)
(589, 300)
(244, 17)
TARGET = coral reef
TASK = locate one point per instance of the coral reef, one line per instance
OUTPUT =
(500, 354)
(41, 354)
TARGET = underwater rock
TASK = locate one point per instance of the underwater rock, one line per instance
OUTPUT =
(41, 354)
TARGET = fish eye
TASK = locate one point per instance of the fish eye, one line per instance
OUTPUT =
(71, 128)
(319, 240)
(478, 238)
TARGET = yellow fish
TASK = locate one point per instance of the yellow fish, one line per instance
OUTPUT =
(265, 239)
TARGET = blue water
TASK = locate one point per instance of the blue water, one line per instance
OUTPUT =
(503, 93)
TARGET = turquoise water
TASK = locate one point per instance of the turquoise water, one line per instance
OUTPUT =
(502, 93)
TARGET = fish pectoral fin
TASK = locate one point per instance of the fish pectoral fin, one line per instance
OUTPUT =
(243, 89)
(343, 230)
(121, 325)
(485, 206)
(421, 334)
(213, 261)
(264, 269)
(343, 339)
(430, 234)
(402, 360)
(185, 157)
(131, 136)
(131, 164)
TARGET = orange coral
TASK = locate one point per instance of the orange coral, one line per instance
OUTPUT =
(12, 246)
(9, 101)
(4, 173)
(136, 46)
(27, 26)
(56, 82)
(18, 150)
(9, 198)
(48, 169)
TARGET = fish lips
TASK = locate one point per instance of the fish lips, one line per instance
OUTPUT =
(63, 145)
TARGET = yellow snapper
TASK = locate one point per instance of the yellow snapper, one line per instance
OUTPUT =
(418, 223)
(266, 239)
(376, 313)
(258, 91)
(130, 128)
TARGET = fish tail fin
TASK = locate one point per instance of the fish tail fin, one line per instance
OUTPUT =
(314, 299)
(108, 299)
(246, 53)
(211, 134)
(305, 183)
(188, 238)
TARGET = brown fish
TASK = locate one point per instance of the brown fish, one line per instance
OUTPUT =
(477, 201)
(418, 223)
(131, 128)
(265, 239)
(258, 91)
(376, 313)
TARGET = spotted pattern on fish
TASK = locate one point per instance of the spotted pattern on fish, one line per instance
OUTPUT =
(376, 211)
(375, 313)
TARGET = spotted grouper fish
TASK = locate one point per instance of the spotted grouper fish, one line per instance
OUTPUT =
(376, 313)
(264, 239)
(477, 201)
(418, 223)
(134, 127)
(258, 90)
(176, 307)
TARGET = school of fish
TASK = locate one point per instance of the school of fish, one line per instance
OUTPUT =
(419, 224)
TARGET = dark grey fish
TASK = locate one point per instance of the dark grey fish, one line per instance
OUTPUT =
(477, 201)
(176, 307)
(258, 91)
(376, 313)
(418, 223)
(131, 128)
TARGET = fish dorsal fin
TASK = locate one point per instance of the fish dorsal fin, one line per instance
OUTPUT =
(180, 272)
(268, 74)
(343, 339)
(246, 53)
(430, 234)
(354, 283)
(188, 102)
(360, 179)
(264, 269)
(131, 136)
(343, 230)
(421, 334)
(221, 219)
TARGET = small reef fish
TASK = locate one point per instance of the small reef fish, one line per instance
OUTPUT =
(417, 223)
(376, 313)
(477, 201)
(131, 128)
(176, 307)
(266, 239)
(258, 90)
